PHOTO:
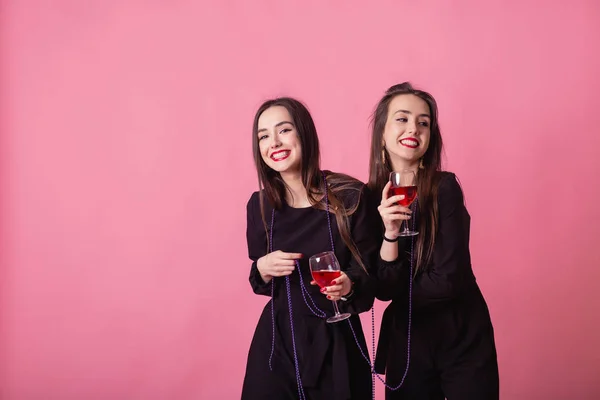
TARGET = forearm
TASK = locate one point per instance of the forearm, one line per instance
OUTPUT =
(389, 250)
(265, 278)
(359, 298)
(258, 283)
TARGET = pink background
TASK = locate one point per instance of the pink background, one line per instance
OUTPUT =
(126, 167)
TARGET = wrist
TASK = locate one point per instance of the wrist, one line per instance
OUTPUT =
(390, 236)
(391, 233)
(265, 278)
(349, 293)
(347, 296)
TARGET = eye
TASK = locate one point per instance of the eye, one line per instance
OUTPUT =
(263, 137)
(285, 130)
(401, 119)
(424, 123)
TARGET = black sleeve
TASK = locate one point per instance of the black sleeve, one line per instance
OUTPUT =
(450, 269)
(361, 229)
(257, 244)
(392, 276)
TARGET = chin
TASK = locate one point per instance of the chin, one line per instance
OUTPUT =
(283, 168)
(411, 156)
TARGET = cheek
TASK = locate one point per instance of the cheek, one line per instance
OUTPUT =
(428, 140)
(391, 131)
(425, 144)
(263, 149)
(293, 141)
(387, 136)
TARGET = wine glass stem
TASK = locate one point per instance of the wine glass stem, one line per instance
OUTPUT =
(335, 307)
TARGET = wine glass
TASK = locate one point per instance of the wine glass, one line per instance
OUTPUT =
(324, 268)
(404, 183)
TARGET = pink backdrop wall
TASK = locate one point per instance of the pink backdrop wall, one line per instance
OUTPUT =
(126, 167)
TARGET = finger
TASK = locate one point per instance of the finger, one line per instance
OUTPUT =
(396, 217)
(386, 190)
(334, 290)
(281, 273)
(291, 256)
(395, 199)
(340, 279)
(284, 268)
(284, 263)
(314, 283)
(396, 209)
(329, 295)
(334, 286)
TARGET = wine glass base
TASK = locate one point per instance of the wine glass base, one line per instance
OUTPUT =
(409, 233)
(338, 318)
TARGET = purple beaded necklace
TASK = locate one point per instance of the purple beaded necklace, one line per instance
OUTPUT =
(320, 313)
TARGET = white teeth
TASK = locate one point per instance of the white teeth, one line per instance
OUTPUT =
(281, 155)
(409, 142)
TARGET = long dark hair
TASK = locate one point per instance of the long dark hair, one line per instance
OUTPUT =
(428, 176)
(272, 186)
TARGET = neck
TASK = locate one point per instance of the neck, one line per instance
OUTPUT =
(402, 165)
(295, 194)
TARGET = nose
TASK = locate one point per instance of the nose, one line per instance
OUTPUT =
(411, 127)
(275, 142)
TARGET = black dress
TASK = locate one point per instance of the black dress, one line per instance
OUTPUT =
(453, 354)
(330, 363)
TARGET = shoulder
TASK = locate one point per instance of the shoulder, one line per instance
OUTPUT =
(449, 188)
(253, 205)
(253, 201)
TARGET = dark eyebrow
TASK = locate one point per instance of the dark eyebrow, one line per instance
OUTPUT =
(276, 125)
(408, 112)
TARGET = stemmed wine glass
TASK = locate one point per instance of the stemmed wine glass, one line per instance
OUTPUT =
(324, 268)
(404, 183)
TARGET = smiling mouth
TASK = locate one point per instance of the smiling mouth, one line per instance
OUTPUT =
(410, 143)
(280, 155)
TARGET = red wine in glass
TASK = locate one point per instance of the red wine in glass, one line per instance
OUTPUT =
(324, 278)
(409, 192)
(324, 268)
(404, 183)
